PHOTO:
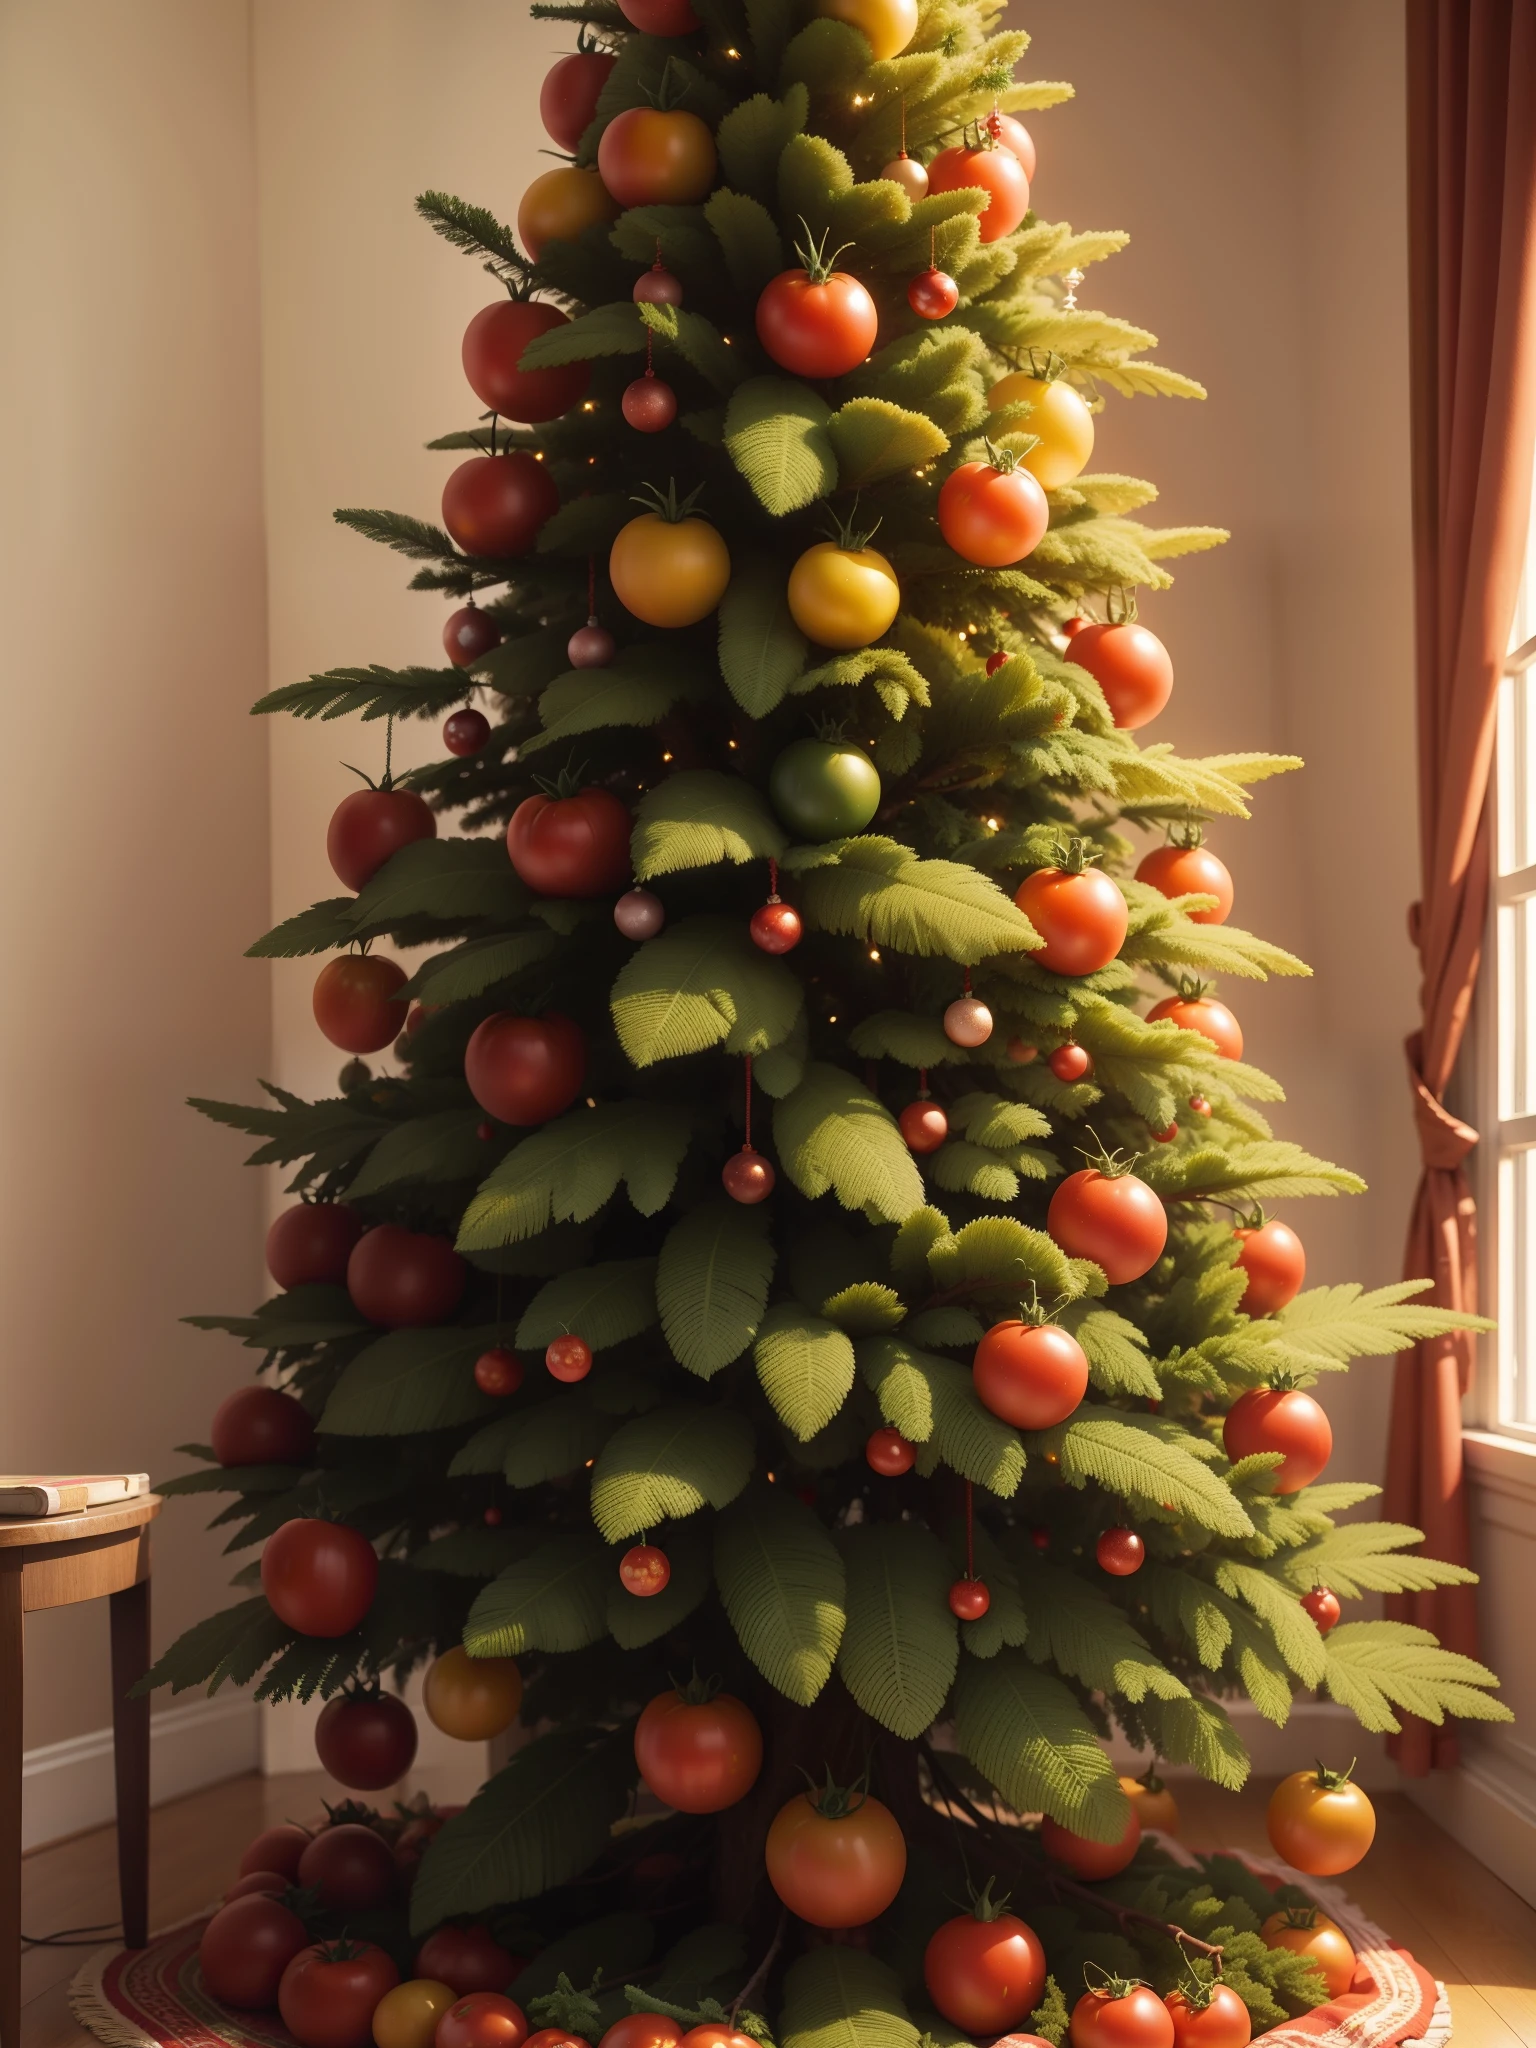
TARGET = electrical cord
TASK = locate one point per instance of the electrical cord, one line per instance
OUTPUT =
(65, 1937)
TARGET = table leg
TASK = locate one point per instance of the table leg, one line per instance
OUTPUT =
(10, 1808)
(130, 1754)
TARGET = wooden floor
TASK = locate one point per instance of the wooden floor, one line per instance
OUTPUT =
(1461, 1922)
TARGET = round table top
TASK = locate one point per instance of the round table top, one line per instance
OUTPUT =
(26, 1532)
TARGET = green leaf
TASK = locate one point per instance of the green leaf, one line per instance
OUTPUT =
(479, 964)
(702, 983)
(1374, 1666)
(409, 1381)
(872, 438)
(557, 1437)
(1025, 1732)
(933, 1402)
(881, 893)
(1327, 1325)
(899, 1035)
(806, 1368)
(589, 699)
(316, 930)
(555, 1599)
(371, 692)
(567, 1170)
(450, 881)
(616, 1943)
(1197, 1732)
(667, 1465)
(712, 1284)
(782, 1582)
(751, 139)
(441, 1147)
(614, 330)
(605, 1304)
(776, 434)
(1290, 1629)
(1139, 1465)
(1273, 1170)
(1364, 1557)
(1087, 1637)
(901, 1645)
(1116, 1352)
(837, 1997)
(749, 239)
(833, 1135)
(864, 1308)
(634, 1621)
(762, 650)
(698, 817)
(697, 340)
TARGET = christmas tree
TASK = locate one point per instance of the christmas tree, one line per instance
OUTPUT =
(787, 1279)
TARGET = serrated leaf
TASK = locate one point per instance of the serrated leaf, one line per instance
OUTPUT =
(782, 1583)
(554, 1599)
(1086, 1636)
(447, 880)
(566, 1171)
(1365, 1557)
(900, 1647)
(872, 438)
(702, 983)
(805, 1365)
(838, 1997)
(751, 139)
(712, 1284)
(864, 1308)
(882, 893)
(776, 434)
(1138, 1465)
(479, 964)
(933, 1402)
(667, 1465)
(316, 930)
(762, 650)
(606, 1304)
(914, 1041)
(589, 699)
(698, 818)
(1292, 1631)
(1115, 1349)
(441, 1147)
(1374, 1666)
(613, 330)
(1197, 1732)
(749, 239)
(409, 1381)
(1027, 1735)
(833, 1135)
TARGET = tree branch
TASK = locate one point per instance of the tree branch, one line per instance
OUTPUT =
(760, 1974)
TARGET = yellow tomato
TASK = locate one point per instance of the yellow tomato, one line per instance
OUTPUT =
(1313, 1935)
(472, 1698)
(1061, 420)
(1320, 1822)
(559, 204)
(888, 25)
(1157, 1809)
(843, 597)
(407, 2017)
(669, 572)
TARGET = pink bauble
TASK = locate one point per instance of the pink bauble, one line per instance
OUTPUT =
(967, 1022)
(649, 404)
(924, 1126)
(590, 646)
(909, 174)
(469, 635)
(657, 287)
(747, 1177)
(639, 915)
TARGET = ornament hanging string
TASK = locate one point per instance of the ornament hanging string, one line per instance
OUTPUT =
(591, 586)
(970, 1531)
(773, 897)
(747, 1134)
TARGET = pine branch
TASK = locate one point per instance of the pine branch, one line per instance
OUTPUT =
(475, 230)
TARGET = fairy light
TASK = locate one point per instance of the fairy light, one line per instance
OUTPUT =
(591, 1102)
(589, 405)
(874, 952)
(731, 744)
(666, 757)
(859, 100)
(993, 824)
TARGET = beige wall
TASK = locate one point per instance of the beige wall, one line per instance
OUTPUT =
(133, 836)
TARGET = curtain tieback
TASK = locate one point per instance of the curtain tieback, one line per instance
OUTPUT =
(1444, 1140)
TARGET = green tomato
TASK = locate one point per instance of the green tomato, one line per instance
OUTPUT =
(824, 789)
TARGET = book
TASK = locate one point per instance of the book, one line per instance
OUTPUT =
(33, 1494)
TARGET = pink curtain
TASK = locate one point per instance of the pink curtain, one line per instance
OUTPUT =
(1472, 261)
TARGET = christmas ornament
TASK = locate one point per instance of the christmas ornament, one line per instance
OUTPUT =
(1079, 912)
(1012, 134)
(1187, 868)
(466, 732)
(1120, 1552)
(493, 345)
(889, 1453)
(473, 1699)
(1167, 1134)
(656, 156)
(909, 174)
(997, 660)
(995, 171)
(985, 1970)
(1071, 1062)
(560, 205)
(1130, 665)
(1086, 1859)
(492, 1517)
(405, 1279)
(485, 1130)
(525, 1070)
(1041, 1538)
(366, 1740)
(747, 1177)
(498, 1372)
(354, 1074)
(669, 566)
(843, 593)
(836, 1858)
(571, 845)
(645, 1571)
(369, 826)
(639, 914)
(933, 293)
(1275, 1261)
(469, 634)
(923, 1124)
(816, 321)
(1320, 1822)
(568, 1358)
(1322, 1604)
(590, 646)
(698, 1750)
(1199, 1105)
(495, 504)
(1030, 1374)
(824, 789)
(261, 1426)
(1106, 1214)
(356, 1001)
(1280, 1419)
(967, 1021)
(886, 25)
(1193, 1010)
(1058, 418)
(969, 1601)
(569, 95)
(657, 286)
(993, 513)
(776, 926)
(319, 1577)
(648, 404)
(309, 1244)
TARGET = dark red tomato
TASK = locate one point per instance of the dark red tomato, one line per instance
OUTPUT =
(1275, 1261)
(816, 329)
(246, 1947)
(524, 1070)
(309, 1244)
(700, 1757)
(485, 2019)
(366, 1743)
(495, 504)
(411, 1842)
(369, 826)
(993, 170)
(1030, 1374)
(660, 17)
(319, 1577)
(357, 1001)
(328, 1993)
(493, 343)
(1130, 665)
(1190, 871)
(1117, 2017)
(570, 92)
(1222, 2022)
(985, 1975)
(1086, 1858)
(271, 1883)
(1081, 917)
(405, 1279)
(1113, 1219)
(652, 157)
(1276, 1419)
(571, 845)
(277, 1849)
(1204, 1014)
(467, 1959)
(261, 1426)
(992, 516)
(351, 1867)
(469, 634)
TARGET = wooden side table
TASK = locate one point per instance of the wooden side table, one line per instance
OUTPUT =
(52, 1562)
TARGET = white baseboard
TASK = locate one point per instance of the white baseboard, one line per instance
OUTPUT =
(67, 1787)
(1488, 1804)
(1318, 1731)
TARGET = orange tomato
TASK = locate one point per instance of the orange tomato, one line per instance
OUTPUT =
(472, 1698)
(1307, 1932)
(648, 157)
(559, 204)
(835, 1869)
(1190, 871)
(887, 25)
(1320, 1822)
(1154, 1805)
(669, 572)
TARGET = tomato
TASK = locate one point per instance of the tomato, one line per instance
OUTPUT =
(493, 342)
(245, 1949)
(261, 1426)
(835, 1868)
(405, 1279)
(992, 170)
(570, 92)
(1190, 871)
(356, 1001)
(1031, 1374)
(1320, 1822)
(485, 2019)
(1014, 135)
(843, 596)
(1080, 914)
(276, 1849)
(1087, 1858)
(1113, 1219)
(969, 1599)
(1275, 1261)
(568, 1357)
(498, 1372)
(1275, 1419)
(889, 1453)
(495, 504)
(1218, 2021)
(571, 845)
(525, 1070)
(351, 1867)
(669, 572)
(407, 2017)
(648, 157)
(985, 1971)
(308, 1245)
(366, 1741)
(468, 1958)
(824, 789)
(1204, 1014)
(816, 321)
(886, 25)
(1322, 1605)
(328, 1993)
(1306, 1932)
(1130, 665)
(560, 205)
(1122, 2015)
(555, 2037)
(472, 1698)
(992, 513)
(715, 2034)
(1059, 419)
(319, 1577)
(370, 825)
(1155, 1806)
(659, 18)
(271, 1883)
(699, 1756)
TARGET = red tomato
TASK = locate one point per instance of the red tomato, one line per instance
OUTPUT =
(328, 1993)
(1014, 135)
(272, 1883)
(555, 2037)
(370, 825)
(1122, 2015)
(1272, 1419)
(261, 1426)
(698, 1756)
(308, 1244)
(1204, 1014)
(469, 1959)
(1032, 1375)
(366, 1742)
(659, 18)
(357, 1001)
(319, 1577)
(1322, 1604)
(1086, 1858)
(486, 2020)
(1275, 1261)
(571, 845)
(645, 1571)
(351, 1868)
(525, 1070)
(1113, 1219)
(1190, 871)
(992, 516)
(1131, 667)
(714, 2034)
(814, 325)
(985, 1975)
(277, 1849)
(995, 171)
(246, 1947)
(1081, 917)
(1222, 2022)
(640, 2030)
(569, 95)
(493, 342)
(1320, 1822)
(838, 1869)
(405, 1279)
(648, 157)
(495, 504)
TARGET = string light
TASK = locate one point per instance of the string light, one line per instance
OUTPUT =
(666, 757)
(874, 952)
(735, 54)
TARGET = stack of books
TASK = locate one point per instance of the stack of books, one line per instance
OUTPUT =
(52, 1493)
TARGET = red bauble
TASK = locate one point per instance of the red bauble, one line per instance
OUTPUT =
(245, 1949)
(1199, 1105)
(568, 1358)
(493, 344)
(660, 17)
(932, 294)
(469, 634)
(997, 660)
(1112, 1218)
(924, 1126)
(525, 1070)
(351, 1867)
(405, 1279)
(889, 1453)
(1275, 1261)
(1030, 1374)
(967, 1022)
(1322, 1603)
(466, 732)
(261, 1426)
(356, 1001)
(498, 1372)
(590, 646)
(639, 914)
(644, 1570)
(495, 504)
(366, 1742)
(1130, 665)
(776, 927)
(570, 92)
(319, 1577)
(369, 826)
(657, 287)
(308, 1245)
(1280, 1419)
(1167, 1134)
(1120, 1552)
(571, 845)
(747, 1177)
(969, 1599)
(649, 404)
(1071, 1062)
